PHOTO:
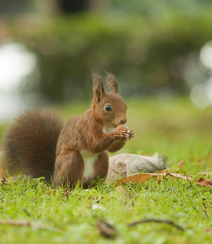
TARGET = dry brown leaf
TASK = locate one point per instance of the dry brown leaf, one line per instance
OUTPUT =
(143, 177)
(137, 178)
(159, 178)
(181, 164)
(204, 182)
(107, 230)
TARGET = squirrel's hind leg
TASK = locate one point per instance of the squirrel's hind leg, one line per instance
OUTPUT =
(69, 168)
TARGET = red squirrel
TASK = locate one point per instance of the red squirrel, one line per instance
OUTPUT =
(38, 145)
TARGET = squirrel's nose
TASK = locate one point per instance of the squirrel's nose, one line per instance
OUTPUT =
(123, 121)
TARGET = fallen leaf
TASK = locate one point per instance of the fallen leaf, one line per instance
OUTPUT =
(160, 177)
(136, 178)
(204, 182)
(143, 177)
(181, 164)
(107, 230)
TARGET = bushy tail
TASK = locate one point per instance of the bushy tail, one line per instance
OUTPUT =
(29, 145)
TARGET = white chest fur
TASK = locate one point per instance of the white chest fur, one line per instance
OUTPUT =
(89, 159)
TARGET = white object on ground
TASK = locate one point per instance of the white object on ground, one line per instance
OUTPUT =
(124, 165)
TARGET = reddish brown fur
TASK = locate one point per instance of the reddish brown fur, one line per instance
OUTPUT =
(116, 145)
(85, 132)
(101, 165)
(112, 82)
(30, 142)
(69, 169)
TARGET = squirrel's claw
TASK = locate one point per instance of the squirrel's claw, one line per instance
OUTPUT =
(130, 134)
(123, 135)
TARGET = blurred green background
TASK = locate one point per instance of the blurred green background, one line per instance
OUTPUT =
(160, 52)
(153, 47)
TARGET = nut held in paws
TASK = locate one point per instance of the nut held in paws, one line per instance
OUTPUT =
(122, 128)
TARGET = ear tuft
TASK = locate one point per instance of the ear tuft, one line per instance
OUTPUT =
(112, 83)
(98, 88)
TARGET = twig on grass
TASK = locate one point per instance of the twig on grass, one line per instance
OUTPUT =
(133, 190)
(107, 230)
(170, 222)
(205, 214)
(204, 210)
(26, 223)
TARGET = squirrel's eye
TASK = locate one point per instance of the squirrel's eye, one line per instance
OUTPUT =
(108, 107)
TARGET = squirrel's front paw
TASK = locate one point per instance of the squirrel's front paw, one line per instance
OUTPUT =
(123, 133)
(120, 135)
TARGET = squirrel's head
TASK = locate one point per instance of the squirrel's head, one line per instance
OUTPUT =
(109, 108)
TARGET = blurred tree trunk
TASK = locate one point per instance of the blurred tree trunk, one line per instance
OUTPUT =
(73, 6)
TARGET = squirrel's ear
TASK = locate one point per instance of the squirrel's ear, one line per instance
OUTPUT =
(98, 88)
(112, 82)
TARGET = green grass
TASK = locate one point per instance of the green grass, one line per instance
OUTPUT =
(172, 127)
